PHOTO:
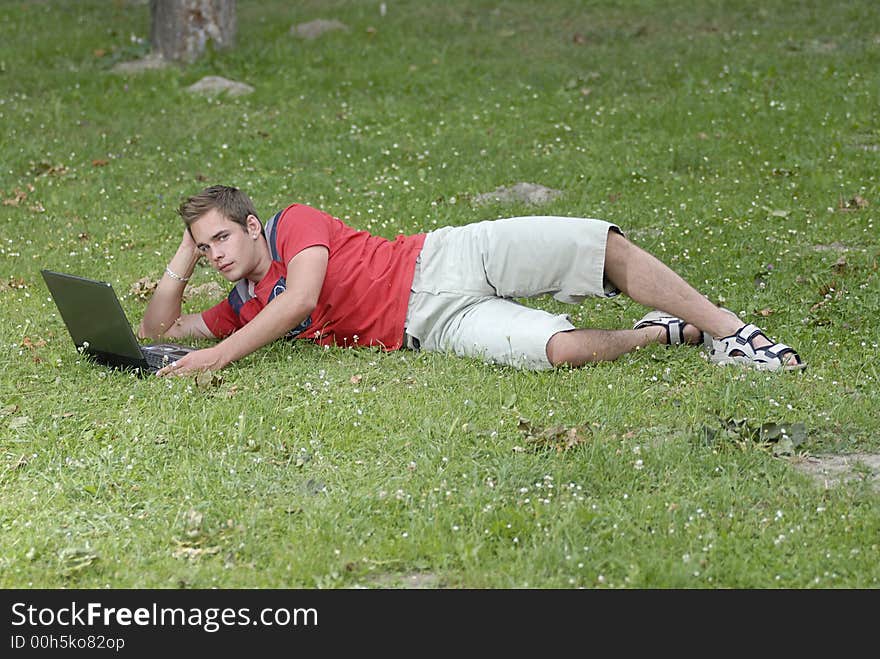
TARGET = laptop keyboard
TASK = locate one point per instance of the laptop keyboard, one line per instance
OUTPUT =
(155, 360)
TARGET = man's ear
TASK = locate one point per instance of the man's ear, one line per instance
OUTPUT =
(254, 226)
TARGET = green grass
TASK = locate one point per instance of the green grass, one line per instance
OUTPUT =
(724, 137)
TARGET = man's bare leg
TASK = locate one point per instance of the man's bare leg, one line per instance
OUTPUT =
(648, 281)
(584, 346)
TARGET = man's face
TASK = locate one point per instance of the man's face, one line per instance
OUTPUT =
(231, 249)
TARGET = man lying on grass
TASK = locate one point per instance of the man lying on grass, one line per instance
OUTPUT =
(307, 275)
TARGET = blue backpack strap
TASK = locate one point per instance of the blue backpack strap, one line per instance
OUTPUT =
(271, 231)
(239, 295)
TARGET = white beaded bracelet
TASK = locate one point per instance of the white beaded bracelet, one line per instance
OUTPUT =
(174, 275)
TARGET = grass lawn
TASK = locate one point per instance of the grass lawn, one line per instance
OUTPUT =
(738, 141)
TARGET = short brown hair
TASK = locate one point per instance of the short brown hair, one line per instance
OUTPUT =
(231, 202)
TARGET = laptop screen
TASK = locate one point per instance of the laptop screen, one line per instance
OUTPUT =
(93, 315)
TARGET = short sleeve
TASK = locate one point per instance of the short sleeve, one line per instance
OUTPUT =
(221, 319)
(300, 227)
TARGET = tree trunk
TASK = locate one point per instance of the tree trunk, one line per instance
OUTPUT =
(180, 29)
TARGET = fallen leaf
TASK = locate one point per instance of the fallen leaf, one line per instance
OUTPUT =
(193, 552)
(765, 312)
(76, 559)
(17, 197)
(558, 437)
(99, 52)
(856, 203)
(795, 433)
(303, 457)
(8, 409)
(208, 289)
(46, 168)
(783, 447)
(100, 162)
(524, 425)
(193, 523)
(784, 436)
(208, 379)
(30, 345)
(356, 379)
(143, 288)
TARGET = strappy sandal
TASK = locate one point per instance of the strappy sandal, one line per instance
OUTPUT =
(674, 328)
(738, 349)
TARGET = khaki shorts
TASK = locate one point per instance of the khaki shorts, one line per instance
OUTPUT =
(466, 277)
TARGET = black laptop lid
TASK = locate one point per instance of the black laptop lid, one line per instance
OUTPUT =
(94, 318)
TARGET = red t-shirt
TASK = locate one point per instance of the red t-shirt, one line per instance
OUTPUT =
(366, 290)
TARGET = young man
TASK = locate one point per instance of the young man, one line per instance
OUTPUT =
(307, 275)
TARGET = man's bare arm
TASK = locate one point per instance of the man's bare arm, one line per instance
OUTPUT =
(162, 318)
(305, 278)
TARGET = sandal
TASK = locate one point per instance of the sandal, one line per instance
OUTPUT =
(674, 328)
(738, 349)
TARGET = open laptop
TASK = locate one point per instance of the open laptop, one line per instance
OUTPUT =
(100, 329)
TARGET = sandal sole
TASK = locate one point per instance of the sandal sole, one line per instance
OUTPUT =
(745, 362)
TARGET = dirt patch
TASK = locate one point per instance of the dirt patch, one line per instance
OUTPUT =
(530, 193)
(314, 29)
(836, 246)
(213, 85)
(413, 580)
(831, 470)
